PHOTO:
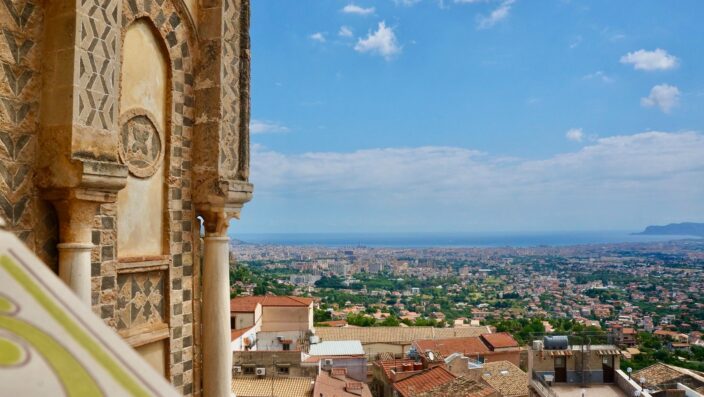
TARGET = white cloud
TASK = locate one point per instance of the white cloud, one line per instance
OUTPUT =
(470, 1)
(598, 75)
(382, 42)
(645, 159)
(650, 60)
(406, 3)
(615, 182)
(496, 16)
(318, 36)
(664, 96)
(345, 31)
(575, 134)
(357, 10)
(264, 126)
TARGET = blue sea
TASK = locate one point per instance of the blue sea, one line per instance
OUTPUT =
(421, 240)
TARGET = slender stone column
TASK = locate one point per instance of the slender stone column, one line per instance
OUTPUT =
(76, 210)
(217, 354)
(74, 268)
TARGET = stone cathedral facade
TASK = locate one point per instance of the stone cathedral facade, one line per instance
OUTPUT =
(124, 127)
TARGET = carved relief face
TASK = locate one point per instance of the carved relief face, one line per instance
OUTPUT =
(141, 143)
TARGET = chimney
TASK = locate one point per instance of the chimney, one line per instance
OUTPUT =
(339, 373)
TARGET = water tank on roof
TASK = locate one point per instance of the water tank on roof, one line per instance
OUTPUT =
(557, 342)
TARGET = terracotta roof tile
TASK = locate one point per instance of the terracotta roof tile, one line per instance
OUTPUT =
(396, 334)
(247, 304)
(250, 386)
(500, 340)
(461, 387)
(423, 382)
(236, 333)
(388, 365)
(506, 378)
(468, 346)
(339, 386)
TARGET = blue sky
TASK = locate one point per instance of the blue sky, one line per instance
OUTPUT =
(475, 115)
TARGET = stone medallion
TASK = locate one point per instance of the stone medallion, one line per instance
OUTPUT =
(141, 143)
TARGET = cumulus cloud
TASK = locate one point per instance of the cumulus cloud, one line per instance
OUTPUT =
(264, 126)
(357, 10)
(318, 36)
(650, 60)
(382, 42)
(497, 15)
(607, 182)
(664, 96)
(575, 134)
(345, 31)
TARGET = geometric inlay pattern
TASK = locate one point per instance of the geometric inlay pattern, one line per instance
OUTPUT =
(229, 132)
(141, 143)
(99, 22)
(140, 299)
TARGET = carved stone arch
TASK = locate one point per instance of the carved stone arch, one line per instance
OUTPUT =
(175, 32)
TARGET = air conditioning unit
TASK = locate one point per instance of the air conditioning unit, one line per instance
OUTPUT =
(260, 371)
(237, 369)
(327, 362)
(538, 345)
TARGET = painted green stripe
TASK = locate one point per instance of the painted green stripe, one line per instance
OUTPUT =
(88, 343)
(76, 380)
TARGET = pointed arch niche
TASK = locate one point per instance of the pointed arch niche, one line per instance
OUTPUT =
(142, 242)
(143, 129)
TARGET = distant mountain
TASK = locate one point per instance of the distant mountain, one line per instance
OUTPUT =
(681, 229)
(234, 241)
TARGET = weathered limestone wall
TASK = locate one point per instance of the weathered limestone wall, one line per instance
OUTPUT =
(29, 217)
(143, 95)
(98, 108)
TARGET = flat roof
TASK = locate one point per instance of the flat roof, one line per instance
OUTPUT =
(336, 348)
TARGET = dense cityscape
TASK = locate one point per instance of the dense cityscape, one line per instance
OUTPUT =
(650, 289)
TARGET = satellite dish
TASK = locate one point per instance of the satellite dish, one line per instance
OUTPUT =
(431, 356)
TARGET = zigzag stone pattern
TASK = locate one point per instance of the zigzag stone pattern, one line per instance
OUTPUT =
(20, 28)
(97, 57)
(229, 134)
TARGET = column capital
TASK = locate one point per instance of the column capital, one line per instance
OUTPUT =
(217, 219)
(218, 209)
(76, 209)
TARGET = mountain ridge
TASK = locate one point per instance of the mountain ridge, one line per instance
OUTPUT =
(681, 229)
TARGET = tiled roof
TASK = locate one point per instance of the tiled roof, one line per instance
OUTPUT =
(399, 335)
(248, 304)
(336, 348)
(468, 346)
(388, 365)
(461, 387)
(339, 386)
(334, 323)
(250, 386)
(506, 378)
(423, 382)
(236, 333)
(659, 375)
(500, 340)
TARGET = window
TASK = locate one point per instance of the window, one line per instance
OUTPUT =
(282, 370)
(287, 346)
(248, 370)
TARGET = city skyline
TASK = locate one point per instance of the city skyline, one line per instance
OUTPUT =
(474, 116)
